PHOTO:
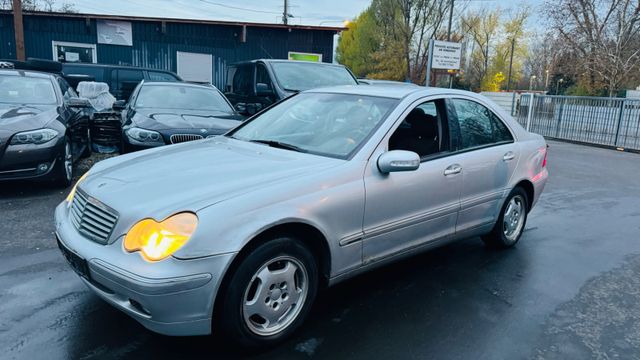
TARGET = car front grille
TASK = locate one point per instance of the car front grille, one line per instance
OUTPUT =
(178, 138)
(92, 218)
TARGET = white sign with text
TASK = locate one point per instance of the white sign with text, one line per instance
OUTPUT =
(446, 55)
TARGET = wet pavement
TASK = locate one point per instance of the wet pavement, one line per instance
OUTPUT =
(569, 290)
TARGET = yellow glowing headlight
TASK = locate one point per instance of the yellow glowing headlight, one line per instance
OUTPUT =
(72, 193)
(158, 240)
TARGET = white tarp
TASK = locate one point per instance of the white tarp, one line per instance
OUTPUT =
(97, 93)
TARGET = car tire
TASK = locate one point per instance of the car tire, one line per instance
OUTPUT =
(511, 222)
(87, 150)
(276, 280)
(63, 171)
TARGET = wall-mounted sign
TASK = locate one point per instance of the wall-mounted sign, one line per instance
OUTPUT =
(195, 67)
(114, 32)
(305, 56)
(446, 55)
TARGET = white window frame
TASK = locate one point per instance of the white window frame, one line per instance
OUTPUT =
(93, 47)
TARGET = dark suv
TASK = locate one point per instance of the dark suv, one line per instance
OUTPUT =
(254, 85)
(121, 79)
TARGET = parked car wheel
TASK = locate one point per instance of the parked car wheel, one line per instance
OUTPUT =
(87, 150)
(63, 171)
(269, 294)
(511, 222)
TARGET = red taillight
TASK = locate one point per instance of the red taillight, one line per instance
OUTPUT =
(544, 161)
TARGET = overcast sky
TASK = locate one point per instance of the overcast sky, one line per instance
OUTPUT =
(308, 12)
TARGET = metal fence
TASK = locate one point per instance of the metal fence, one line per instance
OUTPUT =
(602, 121)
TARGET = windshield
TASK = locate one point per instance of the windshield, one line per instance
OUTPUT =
(332, 125)
(182, 97)
(26, 90)
(294, 76)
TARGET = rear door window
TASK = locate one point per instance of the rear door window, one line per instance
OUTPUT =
(478, 125)
(95, 72)
(242, 80)
(123, 81)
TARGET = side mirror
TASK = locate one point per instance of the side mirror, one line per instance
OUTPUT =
(119, 105)
(263, 90)
(398, 160)
(78, 103)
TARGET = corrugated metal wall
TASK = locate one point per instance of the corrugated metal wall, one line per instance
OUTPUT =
(155, 49)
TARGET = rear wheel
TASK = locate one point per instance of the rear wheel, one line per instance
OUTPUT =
(511, 222)
(269, 294)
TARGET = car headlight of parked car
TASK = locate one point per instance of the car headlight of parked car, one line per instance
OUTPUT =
(39, 136)
(159, 240)
(144, 136)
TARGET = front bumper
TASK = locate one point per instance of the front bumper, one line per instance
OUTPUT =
(170, 297)
(18, 162)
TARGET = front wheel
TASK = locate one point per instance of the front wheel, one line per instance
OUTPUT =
(269, 294)
(63, 171)
(511, 222)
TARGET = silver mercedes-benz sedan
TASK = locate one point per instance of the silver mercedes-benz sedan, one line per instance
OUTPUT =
(236, 234)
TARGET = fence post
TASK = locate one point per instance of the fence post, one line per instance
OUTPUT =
(530, 112)
(562, 101)
(513, 103)
(615, 141)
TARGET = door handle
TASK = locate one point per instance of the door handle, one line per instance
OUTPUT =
(452, 170)
(509, 156)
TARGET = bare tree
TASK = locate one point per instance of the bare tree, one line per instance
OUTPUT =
(411, 23)
(604, 33)
(40, 5)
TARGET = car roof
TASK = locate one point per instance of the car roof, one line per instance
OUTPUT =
(389, 91)
(176, 83)
(114, 66)
(286, 61)
(26, 73)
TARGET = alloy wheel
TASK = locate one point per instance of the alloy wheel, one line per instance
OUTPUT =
(513, 218)
(275, 295)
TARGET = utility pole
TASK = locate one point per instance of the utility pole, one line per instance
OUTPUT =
(18, 28)
(513, 46)
(449, 37)
(285, 14)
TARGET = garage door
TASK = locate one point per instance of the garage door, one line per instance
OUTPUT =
(195, 67)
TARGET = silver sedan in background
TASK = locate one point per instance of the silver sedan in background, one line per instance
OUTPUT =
(235, 234)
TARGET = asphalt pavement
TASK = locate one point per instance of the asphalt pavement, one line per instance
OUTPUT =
(569, 290)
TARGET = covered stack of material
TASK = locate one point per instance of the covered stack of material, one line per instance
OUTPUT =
(104, 123)
(97, 93)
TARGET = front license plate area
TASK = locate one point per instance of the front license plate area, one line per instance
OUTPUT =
(78, 264)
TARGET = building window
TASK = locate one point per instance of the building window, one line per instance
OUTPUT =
(74, 52)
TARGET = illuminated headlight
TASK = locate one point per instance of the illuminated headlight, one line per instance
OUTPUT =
(144, 136)
(39, 136)
(72, 193)
(159, 240)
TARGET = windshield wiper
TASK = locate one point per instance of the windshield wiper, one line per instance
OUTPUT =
(280, 145)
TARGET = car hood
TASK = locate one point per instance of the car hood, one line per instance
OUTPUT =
(15, 118)
(166, 119)
(193, 175)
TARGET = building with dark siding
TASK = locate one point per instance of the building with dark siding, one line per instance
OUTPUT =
(188, 47)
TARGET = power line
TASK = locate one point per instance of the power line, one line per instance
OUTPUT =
(240, 8)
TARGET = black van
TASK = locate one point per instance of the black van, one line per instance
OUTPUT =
(121, 79)
(254, 85)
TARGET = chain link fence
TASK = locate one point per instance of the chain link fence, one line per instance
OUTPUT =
(603, 121)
